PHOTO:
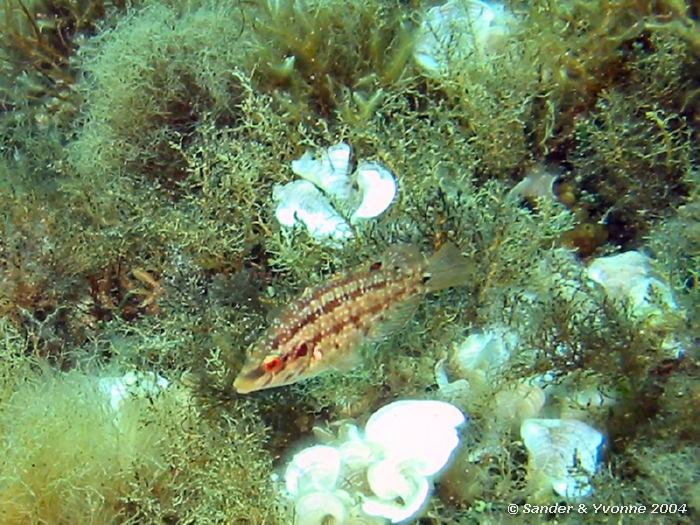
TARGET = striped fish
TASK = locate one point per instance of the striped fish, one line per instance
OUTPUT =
(324, 328)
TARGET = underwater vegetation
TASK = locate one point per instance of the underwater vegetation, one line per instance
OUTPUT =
(39, 78)
(312, 74)
(87, 447)
(150, 236)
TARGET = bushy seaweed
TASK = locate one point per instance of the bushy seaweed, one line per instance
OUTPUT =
(320, 57)
(70, 456)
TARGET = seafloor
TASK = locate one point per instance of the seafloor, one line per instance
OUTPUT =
(175, 173)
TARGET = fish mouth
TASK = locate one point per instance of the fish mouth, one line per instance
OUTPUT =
(247, 381)
(240, 388)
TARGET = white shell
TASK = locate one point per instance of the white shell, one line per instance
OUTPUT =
(321, 508)
(589, 402)
(400, 492)
(131, 384)
(595, 398)
(564, 453)
(456, 30)
(628, 277)
(300, 201)
(355, 451)
(315, 468)
(482, 353)
(538, 183)
(518, 402)
(421, 431)
(377, 188)
(329, 171)
(450, 390)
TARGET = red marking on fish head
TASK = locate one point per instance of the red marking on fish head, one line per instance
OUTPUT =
(272, 364)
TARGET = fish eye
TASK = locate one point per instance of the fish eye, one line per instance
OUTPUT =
(272, 364)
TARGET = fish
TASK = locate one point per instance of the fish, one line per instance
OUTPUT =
(324, 328)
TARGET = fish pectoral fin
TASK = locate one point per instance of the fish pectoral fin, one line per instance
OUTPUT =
(274, 314)
(346, 361)
(448, 268)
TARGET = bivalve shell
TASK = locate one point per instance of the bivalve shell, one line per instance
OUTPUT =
(564, 454)
(377, 189)
(313, 469)
(458, 30)
(400, 492)
(422, 431)
(321, 508)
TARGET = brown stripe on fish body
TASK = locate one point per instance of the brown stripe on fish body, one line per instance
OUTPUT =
(320, 303)
(342, 328)
(312, 322)
(352, 322)
(355, 320)
(303, 312)
(317, 297)
(312, 329)
(314, 293)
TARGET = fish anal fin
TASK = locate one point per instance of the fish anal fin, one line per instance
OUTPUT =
(395, 319)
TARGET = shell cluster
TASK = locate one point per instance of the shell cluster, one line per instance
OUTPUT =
(326, 180)
(381, 475)
(457, 30)
(563, 450)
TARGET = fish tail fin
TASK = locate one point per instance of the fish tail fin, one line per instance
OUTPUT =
(447, 268)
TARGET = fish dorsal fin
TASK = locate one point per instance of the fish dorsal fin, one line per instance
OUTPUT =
(402, 256)
(275, 313)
